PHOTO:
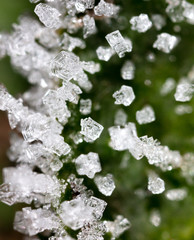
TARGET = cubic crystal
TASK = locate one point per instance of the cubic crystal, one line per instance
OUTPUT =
(124, 96)
(85, 106)
(127, 70)
(90, 129)
(118, 43)
(155, 184)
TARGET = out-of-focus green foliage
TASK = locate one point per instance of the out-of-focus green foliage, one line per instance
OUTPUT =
(169, 128)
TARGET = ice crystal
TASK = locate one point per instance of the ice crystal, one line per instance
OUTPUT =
(141, 23)
(155, 218)
(88, 164)
(120, 118)
(146, 115)
(104, 53)
(184, 91)
(165, 42)
(48, 15)
(127, 70)
(118, 43)
(124, 96)
(117, 227)
(176, 194)
(106, 9)
(168, 86)
(90, 129)
(89, 26)
(105, 184)
(85, 106)
(158, 21)
(155, 184)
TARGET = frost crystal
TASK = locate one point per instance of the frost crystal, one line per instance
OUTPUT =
(120, 118)
(35, 221)
(118, 43)
(82, 5)
(69, 43)
(155, 218)
(176, 194)
(104, 53)
(127, 70)
(66, 65)
(117, 227)
(126, 139)
(124, 96)
(88, 164)
(85, 106)
(105, 184)
(184, 91)
(90, 129)
(48, 15)
(165, 42)
(146, 115)
(106, 9)
(168, 86)
(141, 23)
(89, 26)
(158, 21)
(155, 184)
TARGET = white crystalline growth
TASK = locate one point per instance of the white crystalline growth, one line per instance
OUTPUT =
(32, 222)
(158, 21)
(155, 184)
(168, 86)
(75, 213)
(184, 91)
(128, 70)
(26, 185)
(106, 9)
(89, 26)
(118, 43)
(92, 231)
(155, 218)
(165, 42)
(104, 53)
(141, 23)
(120, 118)
(124, 96)
(82, 5)
(145, 115)
(188, 11)
(66, 65)
(176, 194)
(85, 106)
(126, 139)
(69, 43)
(48, 15)
(105, 184)
(90, 66)
(119, 226)
(79, 211)
(88, 164)
(90, 129)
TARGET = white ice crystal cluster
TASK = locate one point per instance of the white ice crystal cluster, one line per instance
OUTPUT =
(47, 162)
